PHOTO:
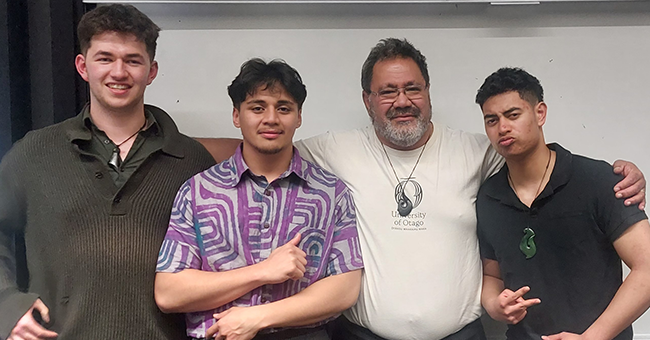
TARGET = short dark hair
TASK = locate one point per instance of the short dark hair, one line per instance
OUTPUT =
(508, 79)
(392, 48)
(121, 19)
(256, 74)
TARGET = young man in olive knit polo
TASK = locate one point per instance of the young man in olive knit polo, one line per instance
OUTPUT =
(92, 196)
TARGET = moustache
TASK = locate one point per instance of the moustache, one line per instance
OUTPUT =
(403, 111)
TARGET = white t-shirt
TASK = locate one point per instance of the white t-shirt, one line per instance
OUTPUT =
(422, 277)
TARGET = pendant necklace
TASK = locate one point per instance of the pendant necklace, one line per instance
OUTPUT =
(116, 160)
(527, 243)
(404, 204)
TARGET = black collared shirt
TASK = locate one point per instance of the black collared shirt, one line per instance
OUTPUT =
(149, 140)
(575, 270)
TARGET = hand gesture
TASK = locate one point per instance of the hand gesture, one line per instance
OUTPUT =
(632, 187)
(285, 262)
(236, 323)
(511, 307)
(562, 336)
(29, 329)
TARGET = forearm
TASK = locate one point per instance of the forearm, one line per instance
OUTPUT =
(492, 287)
(193, 290)
(323, 299)
(630, 301)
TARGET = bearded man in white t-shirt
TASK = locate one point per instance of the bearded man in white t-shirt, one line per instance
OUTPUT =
(414, 184)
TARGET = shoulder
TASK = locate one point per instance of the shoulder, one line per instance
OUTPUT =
(334, 139)
(466, 139)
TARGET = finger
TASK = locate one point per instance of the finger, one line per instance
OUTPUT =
(530, 302)
(636, 199)
(630, 179)
(296, 240)
(212, 331)
(222, 314)
(642, 204)
(42, 308)
(514, 296)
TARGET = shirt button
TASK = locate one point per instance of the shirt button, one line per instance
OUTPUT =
(116, 200)
(266, 226)
(267, 192)
(106, 141)
(264, 300)
(99, 175)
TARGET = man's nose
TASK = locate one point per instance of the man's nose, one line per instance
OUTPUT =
(119, 69)
(402, 100)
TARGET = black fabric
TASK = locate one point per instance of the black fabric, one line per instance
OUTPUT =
(576, 218)
(343, 329)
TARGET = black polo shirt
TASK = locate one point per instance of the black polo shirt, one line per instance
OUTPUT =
(575, 270)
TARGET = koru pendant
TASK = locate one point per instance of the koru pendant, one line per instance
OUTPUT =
(404, 205)
(527, 244)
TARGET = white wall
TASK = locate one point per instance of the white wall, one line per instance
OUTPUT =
(592, 59)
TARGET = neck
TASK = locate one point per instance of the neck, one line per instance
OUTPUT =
(271, 166)
(529, 174)
(118, 125)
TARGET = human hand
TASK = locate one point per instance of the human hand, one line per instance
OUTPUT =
(235, 323)
(632, 187)
(285, 262)
(563, 336)
(511, 307)
(27, 328)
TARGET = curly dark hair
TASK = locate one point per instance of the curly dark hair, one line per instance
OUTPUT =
(392, 48)
(256, 73)
(118, 18)
(508, 79)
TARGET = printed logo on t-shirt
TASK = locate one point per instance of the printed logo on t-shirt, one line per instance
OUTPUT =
(408, 196)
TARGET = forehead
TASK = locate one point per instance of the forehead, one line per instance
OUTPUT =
(396, 72)
(273, 93)
(117, 42)
(505, 101)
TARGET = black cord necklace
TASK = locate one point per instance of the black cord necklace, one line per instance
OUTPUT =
(404, 204)
(116, 160)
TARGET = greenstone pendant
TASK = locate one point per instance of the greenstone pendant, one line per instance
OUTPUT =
(527, 244)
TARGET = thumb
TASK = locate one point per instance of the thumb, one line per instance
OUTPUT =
(42, 308)
(296, 240)
(222, 314)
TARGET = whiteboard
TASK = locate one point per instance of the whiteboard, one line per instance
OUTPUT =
(592, 59)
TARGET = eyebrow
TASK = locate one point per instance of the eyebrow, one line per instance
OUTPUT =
(260, 101)
(109, 54)
(390, 85)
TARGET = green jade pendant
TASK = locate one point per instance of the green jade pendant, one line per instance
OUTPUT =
(527, 244)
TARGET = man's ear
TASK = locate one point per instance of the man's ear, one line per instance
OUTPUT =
(366, 100)
(235, 117)
(80, 64)
(153, 72)
(299, 119)
(540, 113)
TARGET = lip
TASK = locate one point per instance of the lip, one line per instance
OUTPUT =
(506, 141)
(119, 91)
(270, 134)
(402, 118)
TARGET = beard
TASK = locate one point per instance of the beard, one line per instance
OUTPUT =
(403, 134)
(268, 150)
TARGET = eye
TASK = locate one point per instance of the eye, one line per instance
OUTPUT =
(103, 60)
(257, 109)
(412, 90)
(133, 62)
(490, 121)
(388, 92)
(284, 109)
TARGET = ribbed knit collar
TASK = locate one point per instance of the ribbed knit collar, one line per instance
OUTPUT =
(76, 129)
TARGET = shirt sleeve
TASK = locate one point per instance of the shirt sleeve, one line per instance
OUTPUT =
(346, 251)
(180, 249)
(492, 163)
(613, 217)
(13, 303)
(485, 248)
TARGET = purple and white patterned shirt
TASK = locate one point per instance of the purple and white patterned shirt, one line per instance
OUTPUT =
(226, 218)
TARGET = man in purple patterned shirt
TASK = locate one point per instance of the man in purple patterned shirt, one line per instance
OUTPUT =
(264, 242)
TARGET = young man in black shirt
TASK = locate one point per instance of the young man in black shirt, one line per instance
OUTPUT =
(549, 227)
